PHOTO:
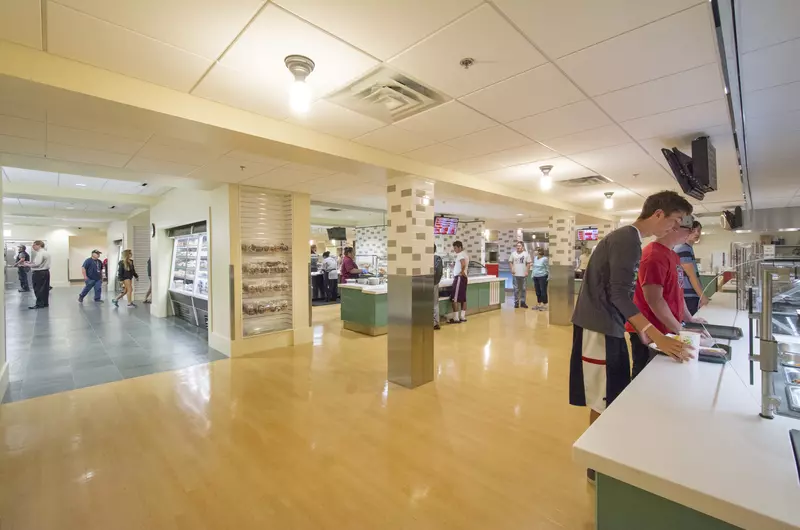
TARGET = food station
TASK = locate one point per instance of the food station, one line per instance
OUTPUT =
(189, 280)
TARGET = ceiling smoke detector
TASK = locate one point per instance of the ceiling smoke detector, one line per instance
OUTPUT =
(299, 93)
(387, 96)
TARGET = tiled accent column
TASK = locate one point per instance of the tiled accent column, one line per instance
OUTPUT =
(410, 203)
(606, 227)
(562, 268)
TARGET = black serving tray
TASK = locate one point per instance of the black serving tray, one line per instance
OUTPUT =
(717, 332)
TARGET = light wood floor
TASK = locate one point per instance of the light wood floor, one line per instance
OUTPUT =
(312, 438)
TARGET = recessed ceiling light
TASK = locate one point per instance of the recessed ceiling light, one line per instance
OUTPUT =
(81, 185)
(70, 207)
(520, 214)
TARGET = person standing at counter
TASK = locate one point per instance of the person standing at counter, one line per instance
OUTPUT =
(458, 294)
(541, 273)
(692, 288)
(659, 293)
(330, 272)
(599, 362)
(348, 270)
(438, 272)
(520, 262)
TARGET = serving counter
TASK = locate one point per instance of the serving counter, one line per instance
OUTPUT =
(684, 447)
(364, 307)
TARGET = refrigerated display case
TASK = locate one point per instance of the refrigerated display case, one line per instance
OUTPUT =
(189, 280)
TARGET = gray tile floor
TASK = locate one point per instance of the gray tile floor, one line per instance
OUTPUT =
(71, 345)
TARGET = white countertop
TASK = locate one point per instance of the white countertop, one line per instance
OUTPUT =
(691, 433)
(446, 282)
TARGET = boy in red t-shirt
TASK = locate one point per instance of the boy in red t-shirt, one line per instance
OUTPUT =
(659, 292)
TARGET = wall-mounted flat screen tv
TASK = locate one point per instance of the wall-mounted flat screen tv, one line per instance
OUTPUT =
(445, 226)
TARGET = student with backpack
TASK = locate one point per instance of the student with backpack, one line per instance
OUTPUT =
(438, 272)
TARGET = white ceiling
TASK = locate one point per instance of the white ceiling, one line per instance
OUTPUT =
(589, 87)
(769, 61)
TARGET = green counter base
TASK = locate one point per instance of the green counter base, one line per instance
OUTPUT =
(373, 331)
(621, 506)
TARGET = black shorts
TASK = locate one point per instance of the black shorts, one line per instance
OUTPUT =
(642, 354)
(599, 369)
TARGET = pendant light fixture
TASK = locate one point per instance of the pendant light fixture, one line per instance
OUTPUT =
(546, 182)
(609, 202)
(299, 92)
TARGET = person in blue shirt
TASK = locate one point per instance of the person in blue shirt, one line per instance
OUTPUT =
(541, 272)
(92, 270)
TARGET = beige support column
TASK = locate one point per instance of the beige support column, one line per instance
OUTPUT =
(410, 294)
(606, 227)
(562, 268)
(3, 362)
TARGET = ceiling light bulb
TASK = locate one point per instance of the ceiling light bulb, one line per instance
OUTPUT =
(300, 97)
(608, 204)
(546, 182)
(299, 92)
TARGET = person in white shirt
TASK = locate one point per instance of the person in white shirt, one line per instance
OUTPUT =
(330, 269)
(520, 262)
(41, 275)
(458, 294)
(586, 255)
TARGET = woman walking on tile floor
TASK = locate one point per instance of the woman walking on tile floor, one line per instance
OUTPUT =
(126, 272)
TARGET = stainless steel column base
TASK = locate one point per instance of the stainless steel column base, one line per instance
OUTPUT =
(410, 337)
(561, 294)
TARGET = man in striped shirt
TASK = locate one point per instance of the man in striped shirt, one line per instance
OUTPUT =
(692, 288)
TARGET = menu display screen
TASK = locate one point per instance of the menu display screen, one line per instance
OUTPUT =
(587, 234)
(446, 226)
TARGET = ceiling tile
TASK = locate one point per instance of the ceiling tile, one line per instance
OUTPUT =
(231, 169)
(84, 155)
(576, 117)
(104, 121)
(92, 41)
(20, 101)
(11, 201)
(179, 151)
(607, 136)
(281, 177)
(252, 156)
(21, 146)
(679, 122)
(66, 180)
(21, 22)
(275, 34)
(267, 96)
(378, 27)
(645, 53)
(772, 66)
(772, 100)
(447, 121)
(160, 167)
(202, 27)
(563, 169)
(154, 191)
(683, 89)
(437, 154)
(477, 164)
(535, 91)
(393, 139)
(521, 155)
(332, 119)
(559, 27)
(36, 203)
(22, 128)
(488, 141)
(31, 176)
(767, 23)
(92, 140)
(122, 186)
(498, 49)
(620, 162)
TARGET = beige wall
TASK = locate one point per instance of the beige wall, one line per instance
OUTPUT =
(57, 241)
(80, 248)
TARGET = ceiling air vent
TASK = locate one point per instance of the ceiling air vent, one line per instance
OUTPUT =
(387, 95)
(591, 180)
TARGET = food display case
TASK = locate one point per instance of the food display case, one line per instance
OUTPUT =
(266, 237)
(189, 279)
